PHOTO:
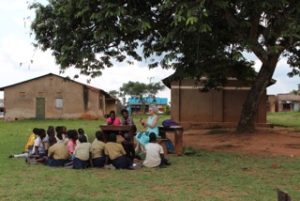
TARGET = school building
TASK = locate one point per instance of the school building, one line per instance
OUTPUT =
(55, 97)
(135, 104)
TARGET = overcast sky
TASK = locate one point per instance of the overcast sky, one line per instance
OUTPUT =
(16, 53)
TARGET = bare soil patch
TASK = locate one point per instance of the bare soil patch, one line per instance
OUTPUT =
(270, 141)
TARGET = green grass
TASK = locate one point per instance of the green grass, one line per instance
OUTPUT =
(204, 176)
(285, 119)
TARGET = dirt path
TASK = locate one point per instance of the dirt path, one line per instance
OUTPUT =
(276, 141)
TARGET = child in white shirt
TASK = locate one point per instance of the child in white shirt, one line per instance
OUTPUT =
(154, 153)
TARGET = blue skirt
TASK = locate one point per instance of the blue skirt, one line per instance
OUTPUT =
(142, 138)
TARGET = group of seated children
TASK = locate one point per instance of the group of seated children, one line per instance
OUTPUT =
(61, 147)
(146, 140)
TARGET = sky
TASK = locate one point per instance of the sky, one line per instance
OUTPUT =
(20, 61)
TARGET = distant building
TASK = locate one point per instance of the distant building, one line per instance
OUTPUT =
(135, 104)
(285, 102)
(54, 97)
(288, 102)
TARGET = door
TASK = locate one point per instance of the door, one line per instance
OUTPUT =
(40, 108)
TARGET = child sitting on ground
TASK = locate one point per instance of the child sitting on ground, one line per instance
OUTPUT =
(81, 132)
(82, 153)
(72, 138)
(38, 152)
(51, 136)
(61, 134)
(154, 153)
(58, 154)
(28, 146)
(97, 149)
(116, 153)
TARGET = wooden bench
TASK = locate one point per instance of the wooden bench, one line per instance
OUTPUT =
(178, 137)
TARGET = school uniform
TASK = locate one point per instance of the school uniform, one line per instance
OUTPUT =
(58, 155)
(81, 155)
(97, 151)
(117, 155)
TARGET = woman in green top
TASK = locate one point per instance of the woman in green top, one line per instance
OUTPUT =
(151, 126)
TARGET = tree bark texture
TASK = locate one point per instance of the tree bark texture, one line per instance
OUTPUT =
(250, 107)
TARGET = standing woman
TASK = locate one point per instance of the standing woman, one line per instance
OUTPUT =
(151, 126)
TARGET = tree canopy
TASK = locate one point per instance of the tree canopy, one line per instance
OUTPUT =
(173, 34)
(203, 37)
(140, 90)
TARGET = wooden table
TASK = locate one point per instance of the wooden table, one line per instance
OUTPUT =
(130, 129)
(178, 139)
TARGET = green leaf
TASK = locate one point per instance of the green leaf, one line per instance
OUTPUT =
(191, 20)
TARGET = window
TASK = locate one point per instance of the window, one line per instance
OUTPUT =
(59, 103)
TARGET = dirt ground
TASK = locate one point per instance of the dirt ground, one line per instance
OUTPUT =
(270, 141)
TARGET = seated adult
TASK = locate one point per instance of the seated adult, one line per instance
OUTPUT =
(58, 154)
(116, 153)
(126, 118)
(113, 119)
(97, 150)
(154, 153)
(82, 153)
(151, 126)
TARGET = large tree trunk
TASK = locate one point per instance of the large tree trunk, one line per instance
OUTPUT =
(248, 116)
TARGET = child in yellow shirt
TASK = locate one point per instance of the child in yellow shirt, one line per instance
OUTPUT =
(28, 146)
